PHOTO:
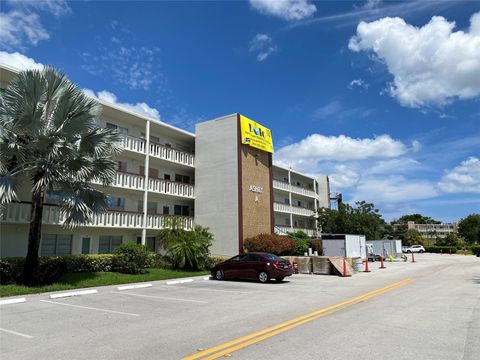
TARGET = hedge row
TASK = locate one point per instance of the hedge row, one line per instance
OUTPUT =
(475, 249)
(441, 249)
(51, 268)
(272, 243)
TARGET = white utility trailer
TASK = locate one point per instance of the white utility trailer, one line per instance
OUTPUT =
(351, 246)
(386, 247)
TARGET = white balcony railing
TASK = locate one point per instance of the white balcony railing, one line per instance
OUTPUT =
(290, 209)
(281, 185)
(283, 229)
(170, 187)
(134, 144)
(167, 153)
(159, 151)
(127, 180)
(19, 213)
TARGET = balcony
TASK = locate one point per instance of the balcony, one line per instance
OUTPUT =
(126, 180)
(19, 213)
(159, 151)
(283, 229)
(290, 209)
(281, 185)
(163, 186)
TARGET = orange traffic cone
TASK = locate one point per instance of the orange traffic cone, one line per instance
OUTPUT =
(345, 272)
(382, 265)
(366, 266)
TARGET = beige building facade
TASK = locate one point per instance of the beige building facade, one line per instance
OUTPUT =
(164, 171)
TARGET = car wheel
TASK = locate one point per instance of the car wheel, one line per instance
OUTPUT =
(421, 251)
(219, 275)
(408, 251)
(279, 279)
(263, 277)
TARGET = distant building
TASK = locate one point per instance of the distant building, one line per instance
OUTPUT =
(432, 231)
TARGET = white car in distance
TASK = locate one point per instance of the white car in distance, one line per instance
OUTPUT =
(413, 249)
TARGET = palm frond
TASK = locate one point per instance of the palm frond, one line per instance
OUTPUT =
(7, 189)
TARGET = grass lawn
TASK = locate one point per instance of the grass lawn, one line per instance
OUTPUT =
(83, 280)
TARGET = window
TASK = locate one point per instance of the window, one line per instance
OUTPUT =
(166, 210)
(52, 197)
(107, 243)
(120, 129)
(287, 222)
(299, 203)
(182, 178)
(185, 211)
(154, 139)
(150, 242)
(116, 202)
(166, 176)
(56, 244)
(177, 209)
(122, 166)
(252, 258)
(287, 201)
(153, 173)
(151, 207)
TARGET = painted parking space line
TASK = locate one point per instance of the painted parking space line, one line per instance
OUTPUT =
(227, 348)
(12, 301)
(90, 308)
(203, 289)
(17, 333)
(161, 297)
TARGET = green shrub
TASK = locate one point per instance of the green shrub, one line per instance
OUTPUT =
(301, 247)
(441, 249)
(475, 249)
(186, 249)
(11, 270)
(214, 260)
(131, 258)
(158, 261)
(299, 235)
(271, 243)
(89, 263)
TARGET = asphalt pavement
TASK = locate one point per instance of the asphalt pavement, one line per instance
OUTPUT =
(429, 309)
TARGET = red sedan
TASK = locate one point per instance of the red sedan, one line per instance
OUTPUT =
(259, 266)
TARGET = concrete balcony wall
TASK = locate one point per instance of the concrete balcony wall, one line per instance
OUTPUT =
(19, 213)
(290, 209)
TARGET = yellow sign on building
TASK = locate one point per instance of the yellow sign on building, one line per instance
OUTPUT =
(256, 135)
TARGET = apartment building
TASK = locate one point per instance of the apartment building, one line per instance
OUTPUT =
(432, 231)
(164, 171)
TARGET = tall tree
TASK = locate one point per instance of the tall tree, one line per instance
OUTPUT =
(360, 219)
(416, 218)
(49, 137)
(469, 228)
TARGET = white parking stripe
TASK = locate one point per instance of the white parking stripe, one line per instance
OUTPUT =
(204, 289)
(89, 308)
(130, 287)
(160, 297)
(17, 333)
(73, 293)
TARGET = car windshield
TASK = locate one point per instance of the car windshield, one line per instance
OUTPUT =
(272, 257)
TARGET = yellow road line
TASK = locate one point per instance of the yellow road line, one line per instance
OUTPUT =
(255, 337)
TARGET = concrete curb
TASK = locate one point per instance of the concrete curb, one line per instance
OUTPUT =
(73, 293)
(13, 301)
(136, 286)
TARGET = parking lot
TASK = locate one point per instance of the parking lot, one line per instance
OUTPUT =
(172, 320)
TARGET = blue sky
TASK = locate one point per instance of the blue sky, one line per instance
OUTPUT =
(382, 96)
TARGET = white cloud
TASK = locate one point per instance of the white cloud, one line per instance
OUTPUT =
(18, 61)
(314, 148)
(290, 10)
(19, 29)
(358, 83)
(137, 67)
(431, 65)
(393, 189)
(263, 46)
(55, 7)
(336, 109)
(139, 108)
(463, 178)
(343, 177)
(393, 166)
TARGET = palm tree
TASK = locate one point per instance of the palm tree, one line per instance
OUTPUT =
(49, 137)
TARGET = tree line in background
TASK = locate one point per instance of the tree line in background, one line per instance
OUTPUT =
(364, 218)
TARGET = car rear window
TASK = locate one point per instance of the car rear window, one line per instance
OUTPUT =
(272, 257)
